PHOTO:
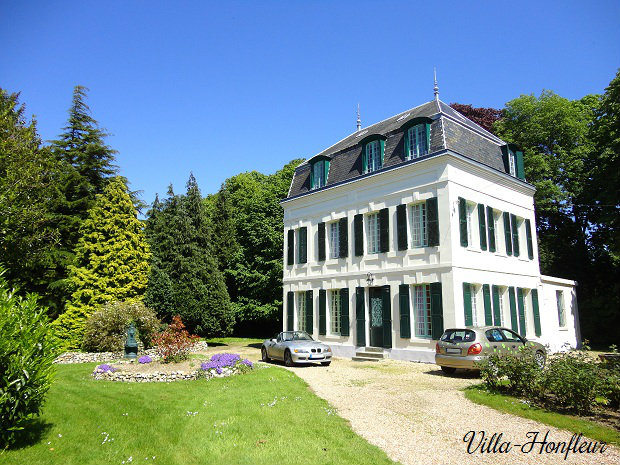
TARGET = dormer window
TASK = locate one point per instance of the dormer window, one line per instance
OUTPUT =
(513, 161)
(417, 141)
(319, 169)
(373, 155)
(512, 167)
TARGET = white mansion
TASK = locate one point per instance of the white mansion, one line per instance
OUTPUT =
(416, 224)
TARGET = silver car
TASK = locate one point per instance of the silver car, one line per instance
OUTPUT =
(296, 347)
(463, 347)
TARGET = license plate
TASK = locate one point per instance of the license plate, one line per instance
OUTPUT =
(453, 351)
(316, 356)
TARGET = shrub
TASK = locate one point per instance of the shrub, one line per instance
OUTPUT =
(517, 373)
(174, 342)
(27, 352)
(106, 329)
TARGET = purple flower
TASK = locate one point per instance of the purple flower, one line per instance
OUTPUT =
(218, 370)
(145, 359)
(246, 362)
(219, 361)
(105, 368)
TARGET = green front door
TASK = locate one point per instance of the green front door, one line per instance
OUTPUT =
(376, 317)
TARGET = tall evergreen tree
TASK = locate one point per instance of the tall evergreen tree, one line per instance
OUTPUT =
(88, 165)
(29, 177)
(112, 260)
(185, 278)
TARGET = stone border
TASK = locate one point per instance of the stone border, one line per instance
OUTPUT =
(162, 377)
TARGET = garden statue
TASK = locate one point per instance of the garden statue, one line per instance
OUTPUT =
(131, 345)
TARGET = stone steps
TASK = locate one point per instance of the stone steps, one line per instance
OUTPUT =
(369, 354)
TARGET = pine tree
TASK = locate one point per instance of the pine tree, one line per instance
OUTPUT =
(185, 278)
(111, 263)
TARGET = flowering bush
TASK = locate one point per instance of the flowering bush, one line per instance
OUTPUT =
(220, 361)
(174, 342)
(105, 368)
(145, 359)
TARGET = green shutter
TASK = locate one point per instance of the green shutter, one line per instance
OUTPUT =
(303, 245)
(387, 316)
(326, 165)
(406, 143)
(528, 235)
(401, 226)
(521, 305)
(436, 311)
(507, 233)
(514, 325)
(463, 221)
(536, 312)
(360, 317)
(488, 313)
(322, 311)
(505, 159)
(321, 242)
(384, 230)
(311, 176)
(358, 232)
(405, 319)
(432, 222)
(469, 321)
(290, 245)
(290, 310)
(482, 227)
(515, 235)
(428, 139)
(382, 148)
(365, 159)
(491, 229)
(519, 164)
(309, 313)
(497, 317)
(343, 239)
(344, 312)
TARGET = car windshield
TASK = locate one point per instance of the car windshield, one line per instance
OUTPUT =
(296, 336)
(458, 335)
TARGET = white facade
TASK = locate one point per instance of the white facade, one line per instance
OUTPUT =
(447, 176)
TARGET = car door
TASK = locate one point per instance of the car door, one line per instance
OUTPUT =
(270, 346)
(278, 347)
(512, 342)
(494, 342)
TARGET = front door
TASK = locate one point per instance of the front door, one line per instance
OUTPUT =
(376, 316)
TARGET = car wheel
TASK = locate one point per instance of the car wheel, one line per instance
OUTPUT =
(448, 370)
(325, 364)
(264, 354)
(288, 360)
(539, 358)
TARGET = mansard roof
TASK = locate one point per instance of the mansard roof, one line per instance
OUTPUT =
(449, 130)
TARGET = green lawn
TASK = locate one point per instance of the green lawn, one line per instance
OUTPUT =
(267, 416)
(515, 406)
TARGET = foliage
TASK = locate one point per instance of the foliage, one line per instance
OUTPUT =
(29, 192)
(111, 261)
(27, 352)
(247, 222)
(220, 361)
(106, 329)
(185, 278)
(173, 344)
(571, 381)
(485, 117)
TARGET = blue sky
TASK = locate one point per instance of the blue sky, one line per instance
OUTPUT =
(222, 88)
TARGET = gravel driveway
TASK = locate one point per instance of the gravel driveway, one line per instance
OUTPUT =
(419, 416)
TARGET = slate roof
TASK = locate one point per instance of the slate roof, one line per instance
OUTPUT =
(450, 130)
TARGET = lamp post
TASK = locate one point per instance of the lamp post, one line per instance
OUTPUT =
(370, 279)
(131, 345)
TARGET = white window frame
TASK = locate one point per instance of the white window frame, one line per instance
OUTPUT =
(334, 312)
(301, 311)
(334, 239)
(512, 167)
(418, 223)
(373, 156)
(318, 168)
(373, 231)
(418, 144)
(421, 297)
(559, 301)
(470, 209)
(474, 288)
(502, 292)
(497, 215)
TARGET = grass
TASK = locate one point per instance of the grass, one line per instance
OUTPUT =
(266, 416)
(233, 341)
(515, 406)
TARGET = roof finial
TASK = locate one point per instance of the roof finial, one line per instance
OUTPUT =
(436, 88)
(359, 121)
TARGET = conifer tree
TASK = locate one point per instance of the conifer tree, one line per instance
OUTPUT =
(111, 260)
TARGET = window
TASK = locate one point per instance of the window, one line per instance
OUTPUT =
(474, 304)
(419, 232)
(470, 222)
(422, 310)
(334, 239)
(417, 141)
(501, 308)
(318, 173)
(559, 298)
(373, 156)
(334, 312)
(373, 233)
(511, 163)
(301, 311)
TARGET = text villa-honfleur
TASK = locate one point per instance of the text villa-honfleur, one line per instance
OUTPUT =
(480, 442)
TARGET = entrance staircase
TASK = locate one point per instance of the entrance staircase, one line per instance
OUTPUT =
(369, 354)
